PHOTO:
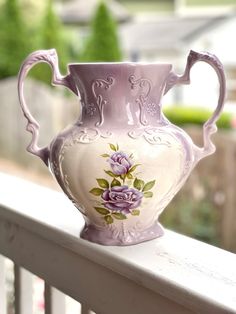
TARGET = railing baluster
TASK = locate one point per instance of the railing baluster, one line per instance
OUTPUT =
(3, 303)
(54, 301)
(23, 291)
(85, 309)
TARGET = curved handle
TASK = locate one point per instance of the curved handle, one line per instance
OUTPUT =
(50, 57)
(209, 126)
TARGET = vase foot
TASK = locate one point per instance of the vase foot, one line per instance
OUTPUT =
(109, 237)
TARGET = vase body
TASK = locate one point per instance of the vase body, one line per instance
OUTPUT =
(122, 162)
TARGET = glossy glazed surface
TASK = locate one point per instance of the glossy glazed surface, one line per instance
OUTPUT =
(123, 161)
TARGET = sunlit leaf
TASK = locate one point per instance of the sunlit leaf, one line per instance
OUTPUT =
(96, 191)
(115, 182)
(148, 194)
(148, 186)
(108, 219)
(119, 216)
(102, 211)
(133, 168)
(138, 184)
(111, 174)
(113, 147)
(135, 212)
(103, 183)
(129, 176)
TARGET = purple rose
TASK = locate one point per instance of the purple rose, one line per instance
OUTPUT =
(122, 199)
(120, 163)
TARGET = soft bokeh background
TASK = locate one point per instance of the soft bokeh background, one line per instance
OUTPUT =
(127, 30)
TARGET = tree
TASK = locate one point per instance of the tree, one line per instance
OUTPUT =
(102, 44)
(51, 36)
(15, 41)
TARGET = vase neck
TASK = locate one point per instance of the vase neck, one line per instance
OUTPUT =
(117, 95)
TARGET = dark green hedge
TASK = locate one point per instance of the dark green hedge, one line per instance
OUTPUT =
(181, 116)
(103, 42)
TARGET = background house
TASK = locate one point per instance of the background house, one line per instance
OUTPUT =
(165, 31)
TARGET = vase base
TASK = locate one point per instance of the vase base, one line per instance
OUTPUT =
(109, 237)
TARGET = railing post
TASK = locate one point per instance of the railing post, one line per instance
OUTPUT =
(23, 291)
(85, 309)
(3, 303)
(54, 300)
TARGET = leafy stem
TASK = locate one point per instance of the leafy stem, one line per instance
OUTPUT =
(123, 176)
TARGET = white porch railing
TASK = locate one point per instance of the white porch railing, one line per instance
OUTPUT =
(39, 231)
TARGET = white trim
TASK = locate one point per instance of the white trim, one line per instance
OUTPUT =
(174, 273)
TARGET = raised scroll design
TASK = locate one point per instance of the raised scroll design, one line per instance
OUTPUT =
(100, 101)
(86, 136)
(80, 135)
(151, 135)
(145, 86)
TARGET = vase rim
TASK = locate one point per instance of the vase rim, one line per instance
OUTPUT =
(124, 63)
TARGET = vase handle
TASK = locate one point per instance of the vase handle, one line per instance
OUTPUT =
(209, 126)
(51, 58)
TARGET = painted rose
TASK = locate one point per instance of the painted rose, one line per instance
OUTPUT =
(122, 199)
(119, 163)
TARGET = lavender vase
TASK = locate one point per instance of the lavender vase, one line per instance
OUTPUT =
(122, 162)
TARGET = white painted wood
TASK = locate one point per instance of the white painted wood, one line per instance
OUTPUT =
(72, 306)
(54, 301)
(172, 274)
(3, 303)
(23, 291)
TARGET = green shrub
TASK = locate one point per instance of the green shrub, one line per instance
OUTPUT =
(181, 116)
(199, 220)
(51, 36)
(15, 40)
(102, 44)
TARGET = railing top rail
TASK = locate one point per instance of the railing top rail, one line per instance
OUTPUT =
(189, 272)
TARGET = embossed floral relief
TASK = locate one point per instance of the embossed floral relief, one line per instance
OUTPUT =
(122, 194)
(97, 86)
(144, 86)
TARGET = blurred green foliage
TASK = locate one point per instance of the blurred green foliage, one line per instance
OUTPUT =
(198, 219)
(51, 35)
(181, 115)
(102, 44)
(15, 39)
(19, 38)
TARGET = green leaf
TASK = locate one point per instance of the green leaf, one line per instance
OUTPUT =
(117, 147)
(109, 220)
(148, 194)
(96, 191)
(112, 147)
(119, 216)
(133, 168)
(102, 211)
(131, 156)
(105, 155)
(135, 212)
(111, 174)
(123, 176)
(138, 184)
(115, 182)
(148, 186)
(103, 183)
(129, 176)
